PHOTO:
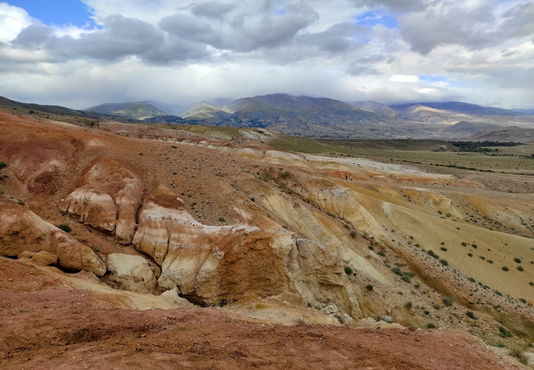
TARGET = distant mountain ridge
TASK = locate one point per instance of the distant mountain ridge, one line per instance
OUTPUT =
(459, 107)
(135, 110)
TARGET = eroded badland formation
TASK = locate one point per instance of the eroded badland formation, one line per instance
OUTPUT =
(207, 251)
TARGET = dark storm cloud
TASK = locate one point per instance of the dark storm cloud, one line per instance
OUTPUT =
(449, 23)
(336, 39)
(212, 10)
(119, 37)
(244, 33)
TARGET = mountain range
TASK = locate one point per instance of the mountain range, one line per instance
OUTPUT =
(309, 116)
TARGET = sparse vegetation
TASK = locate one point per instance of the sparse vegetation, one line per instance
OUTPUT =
(443, 249)
(348, 270)
(353, 233)
(520, 268)
(431, 326)
(3, 165)
(382, 253)
(65, 228)
(471, 315)
(222, 219)
(369, 287)
(444, 262)
(517, 260)
(504, 268)
(408, 305)
(447, 301)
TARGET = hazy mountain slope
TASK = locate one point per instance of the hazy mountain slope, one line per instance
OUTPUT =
(465, 127)
(304, 115)
(375, 107)
(135, 110)
(505, 134)
(459, 107)
(205, 113)
(170, 109)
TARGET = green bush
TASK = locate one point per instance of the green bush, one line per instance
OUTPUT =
(517, 260)
(382, 253)
(396, 271)
(471, 315)
(504, 333)
(408, 305)
(369, 287)
(431, 326)
(447, 301)
(3, 165)
(520, 268)
(444, 262)
(353, 233)
(222, 219)
(504, 268)
(406, 278)
(443, 249)
(65, 228)
(348, 270)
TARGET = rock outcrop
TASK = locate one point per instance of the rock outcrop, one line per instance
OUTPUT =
(23, 231)
(106, 197)
(132, 273)
(211, 264)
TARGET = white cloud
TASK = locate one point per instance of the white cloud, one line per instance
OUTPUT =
(402, 78)
(12, 20)
(183, 51)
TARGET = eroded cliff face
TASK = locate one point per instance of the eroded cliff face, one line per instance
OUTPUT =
(24, 231)
(107, 198)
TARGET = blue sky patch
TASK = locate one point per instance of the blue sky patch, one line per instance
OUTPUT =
(58, 12)
(371, 19)
(430, 79)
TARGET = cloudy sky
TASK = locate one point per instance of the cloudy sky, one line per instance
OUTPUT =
(82, 53)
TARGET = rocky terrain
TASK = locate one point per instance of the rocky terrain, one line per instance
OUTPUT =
(99, 223)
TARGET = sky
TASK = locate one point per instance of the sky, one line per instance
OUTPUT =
(81, 53)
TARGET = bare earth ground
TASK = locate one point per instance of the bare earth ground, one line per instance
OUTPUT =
(45, 326)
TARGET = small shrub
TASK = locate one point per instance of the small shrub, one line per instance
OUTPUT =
(382, 253)
(489, 261)
(471, 315)
(396, 271)
(426, 312)
(464, 244)
(408, 305)
(531, 283)
(470, 254)
(406, 278)
(520, 268)
(371, 247)
(517, 260)
(504, 333)
(447, 301)
(504, 268)
(431, 326)
(523, 300)
(474, 246)
(444, 262)
(3, 165)
(369, 287)
(65, 228)
(443, 249)
(353, 233)
(348, 270)
(471, 279)
(417, 286)
(222, 219)
(418, 245)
